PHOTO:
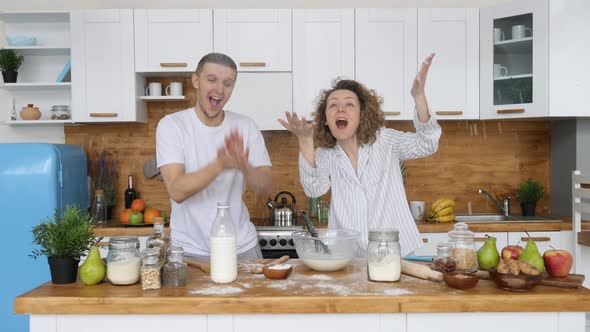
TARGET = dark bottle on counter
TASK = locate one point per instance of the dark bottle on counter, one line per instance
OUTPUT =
(130, 193)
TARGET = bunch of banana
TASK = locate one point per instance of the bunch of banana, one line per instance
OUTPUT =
(442, 210)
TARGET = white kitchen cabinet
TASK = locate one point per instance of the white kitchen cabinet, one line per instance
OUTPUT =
(430, 240)
(43, 63)
(518, 87)
(501, 239)
(264, 97)
(257, 39)
(386, 56)
(106, 85)
(323, 50)
(453, 79)
(171, 40)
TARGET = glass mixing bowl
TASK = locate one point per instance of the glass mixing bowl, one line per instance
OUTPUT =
(331, 251)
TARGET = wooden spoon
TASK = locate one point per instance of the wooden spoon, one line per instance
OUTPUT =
(258, 269)
(204, 267)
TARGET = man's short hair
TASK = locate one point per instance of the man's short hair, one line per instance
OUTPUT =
(216, 58)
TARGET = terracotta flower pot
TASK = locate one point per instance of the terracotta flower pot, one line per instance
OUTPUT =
(30, 113)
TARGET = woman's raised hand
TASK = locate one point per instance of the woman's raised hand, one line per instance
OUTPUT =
(299, 127)
(420, 80)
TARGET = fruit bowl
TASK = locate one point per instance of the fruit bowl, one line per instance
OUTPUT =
(516, 283)
(341, 245)
(461, 280)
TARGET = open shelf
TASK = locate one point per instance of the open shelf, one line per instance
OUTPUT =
(57, 85)
(163, 98)
(514, 41)
(39, 50)
(36, 122)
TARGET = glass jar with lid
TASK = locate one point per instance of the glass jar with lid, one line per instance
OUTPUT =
(60, 112)
(159, 238)
(384, 255)
(150, 269)
(174, 271)
(463, 252)
(444, 262)
(123, 260)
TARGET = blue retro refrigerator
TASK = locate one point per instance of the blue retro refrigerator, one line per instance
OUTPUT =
(35, 179)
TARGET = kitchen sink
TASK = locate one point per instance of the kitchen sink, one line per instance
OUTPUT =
(493, 218)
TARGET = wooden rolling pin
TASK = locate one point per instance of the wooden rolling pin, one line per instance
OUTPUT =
(420, 271)
(204, 267)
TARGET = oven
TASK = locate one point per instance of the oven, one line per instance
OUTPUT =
(277, 241)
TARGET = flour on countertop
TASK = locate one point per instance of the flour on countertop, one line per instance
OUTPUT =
(320, 277)
(218, 290)
(397, 291)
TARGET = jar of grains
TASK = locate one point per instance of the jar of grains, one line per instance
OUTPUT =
(150, 270)
(123, 260)
(463, 252)
(174, 271)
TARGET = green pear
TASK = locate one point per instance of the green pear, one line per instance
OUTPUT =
(532, 256)
(488, 256)
(93, 269)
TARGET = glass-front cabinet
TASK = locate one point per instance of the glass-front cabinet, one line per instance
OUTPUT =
(514, 60)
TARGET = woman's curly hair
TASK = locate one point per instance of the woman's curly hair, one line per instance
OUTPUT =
(371, 115)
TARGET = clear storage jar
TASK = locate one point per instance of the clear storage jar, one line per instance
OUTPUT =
(444, 262)
(60, 112)
(464, 252)
(174, 271)
(123, 260)
(384, 255)
(151, 277)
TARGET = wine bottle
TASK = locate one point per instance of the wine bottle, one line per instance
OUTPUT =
(130, 193)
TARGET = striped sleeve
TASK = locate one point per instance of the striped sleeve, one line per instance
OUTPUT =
(315, 180)
(408, 145)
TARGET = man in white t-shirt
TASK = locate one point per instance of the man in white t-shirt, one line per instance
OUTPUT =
(208, 155)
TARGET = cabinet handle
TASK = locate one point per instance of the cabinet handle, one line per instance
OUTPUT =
(511, 111)
(449, 112)
(102, 244)
(480, 239)
(252, 64)
(536, 238)
(173, 64)
(392, 113)
(424, 240)
(103, 115)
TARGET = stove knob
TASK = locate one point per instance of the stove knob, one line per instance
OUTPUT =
(291, 242)
(263, 242)
(273, 242)
(283, 242)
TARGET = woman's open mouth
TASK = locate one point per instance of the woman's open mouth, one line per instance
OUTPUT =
(341, 123)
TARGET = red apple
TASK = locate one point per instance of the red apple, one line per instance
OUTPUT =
(558, 262)
(512, 252)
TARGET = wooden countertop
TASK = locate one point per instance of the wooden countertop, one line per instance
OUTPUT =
(115, 228)
(305, 291)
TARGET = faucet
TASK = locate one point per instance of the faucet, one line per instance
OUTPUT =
(505, 210)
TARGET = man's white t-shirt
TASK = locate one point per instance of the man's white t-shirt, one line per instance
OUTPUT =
(182, 138)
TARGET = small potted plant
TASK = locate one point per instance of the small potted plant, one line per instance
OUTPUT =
(10, 61)
(528, 193)
(63, 239)
(104, 176)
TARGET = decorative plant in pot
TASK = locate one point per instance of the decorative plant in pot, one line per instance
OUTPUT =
(10, 61)
(63, 239)
(104, 176)
(528, 193)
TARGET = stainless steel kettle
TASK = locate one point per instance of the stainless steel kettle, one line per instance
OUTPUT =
(283, 212)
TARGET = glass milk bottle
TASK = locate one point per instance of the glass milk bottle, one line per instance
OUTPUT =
(224, 258)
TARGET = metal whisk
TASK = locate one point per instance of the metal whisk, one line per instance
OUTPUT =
(320, 246)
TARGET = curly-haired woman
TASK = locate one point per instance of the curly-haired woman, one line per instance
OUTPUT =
(358, 159)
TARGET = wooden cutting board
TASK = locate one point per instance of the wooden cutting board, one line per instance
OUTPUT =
(571, 281)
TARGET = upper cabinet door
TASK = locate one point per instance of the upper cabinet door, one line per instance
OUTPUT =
(171, 40)
(103, 69)
(452, 87)
(257, 39)
(386, 57)
(323, 50)
(514, 44)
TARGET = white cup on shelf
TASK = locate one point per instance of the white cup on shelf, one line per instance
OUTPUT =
(519, 31)
(174, 89)
(154, 89)
(500, 71)
(498, 35)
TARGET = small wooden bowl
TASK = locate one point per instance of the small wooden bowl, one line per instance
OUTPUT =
(461, 280)
(518, 283)
(275, 273)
